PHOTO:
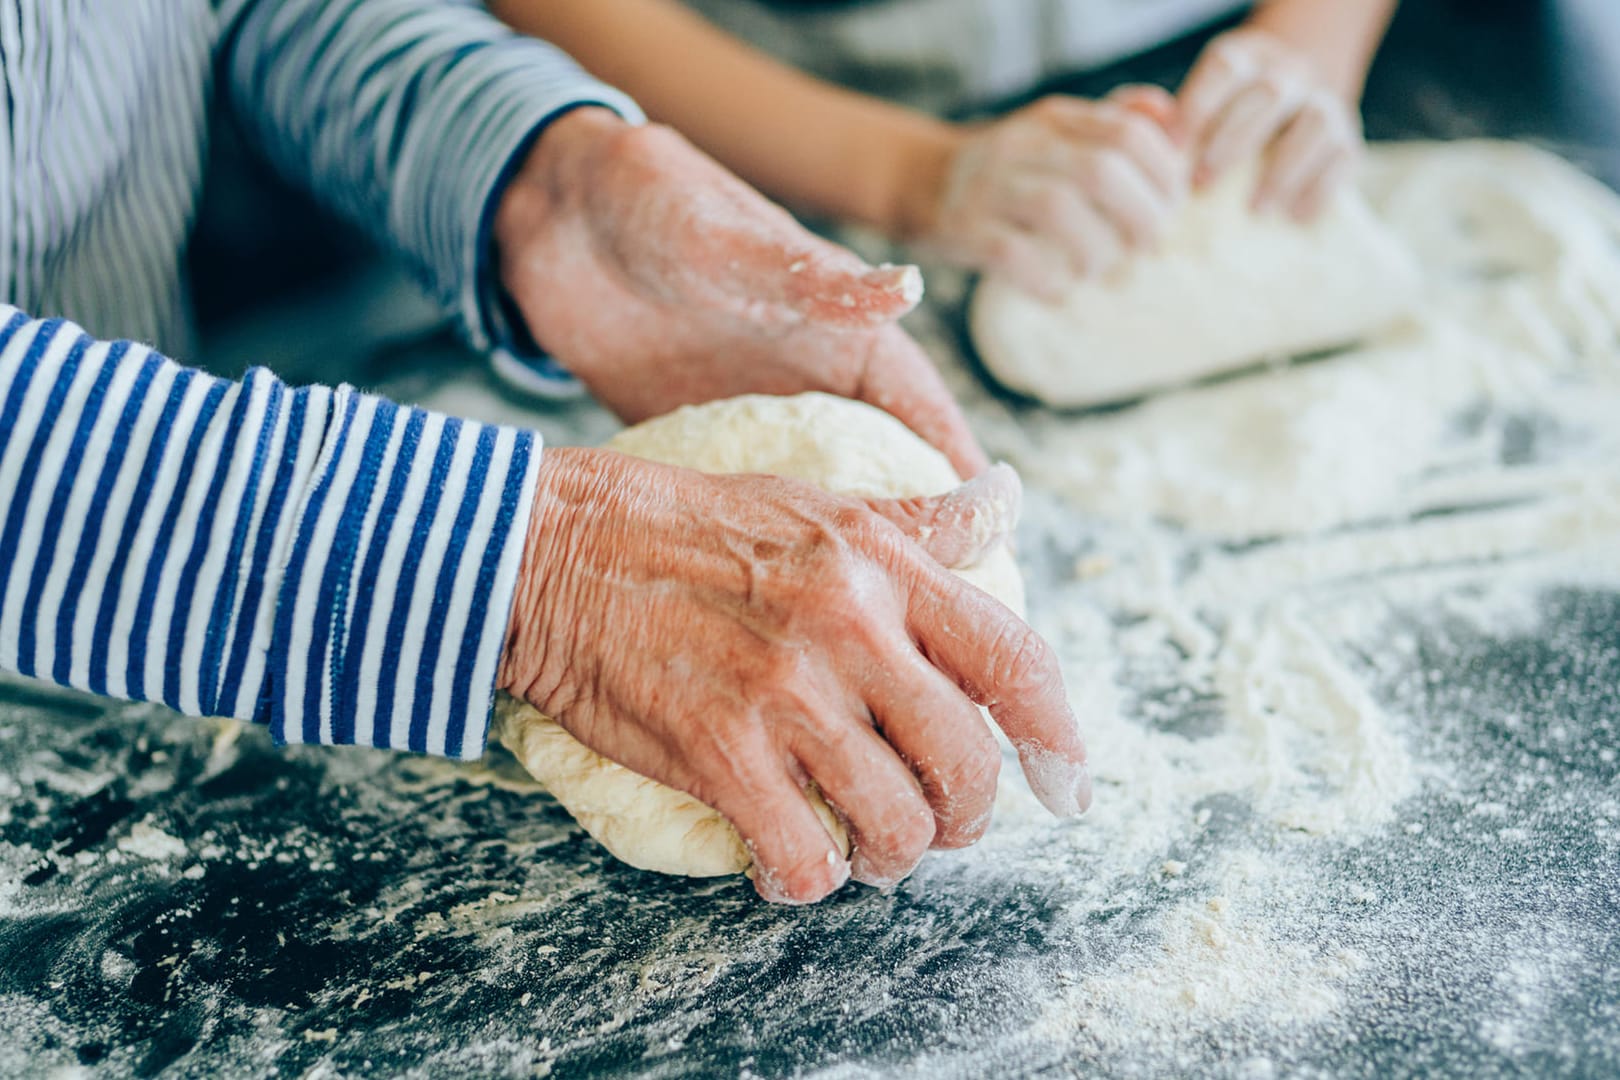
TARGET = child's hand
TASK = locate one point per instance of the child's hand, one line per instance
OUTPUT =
(1251, 93)
(1061, 188)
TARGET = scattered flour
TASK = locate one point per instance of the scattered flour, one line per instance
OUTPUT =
(1242, 547)
(1221, 570)
(1220, 958)
(1229, 575)
(150, 842)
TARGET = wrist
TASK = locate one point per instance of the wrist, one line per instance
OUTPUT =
(554, 174)
(915, 181)
(557, 496)
(1337, 53)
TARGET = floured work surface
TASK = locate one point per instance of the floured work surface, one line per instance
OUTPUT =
(1354, 735)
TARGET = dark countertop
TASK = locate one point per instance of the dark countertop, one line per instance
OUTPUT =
(357, 913)
(323, 929)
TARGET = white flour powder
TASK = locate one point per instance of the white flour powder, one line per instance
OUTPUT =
(1243, 546)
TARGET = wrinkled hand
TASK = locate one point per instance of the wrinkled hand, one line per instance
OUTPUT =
(660, 280)
(1251, 94)
(1062, 188)
(739, 636)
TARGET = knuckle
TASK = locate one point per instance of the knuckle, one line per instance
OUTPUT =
(978, 770)
(835, 584)
(1275, 83)
(1055, 107)
(637, 142)
(730, 760)
(1113, 166)
(1140, 135)
(967, 792)
(1001, 249)
(1230, 52)
(1115, 120)
(853, 522)
(1022, 662)
(780, 676)
(841, 741)
(907, 831)
(1099, 168)
(1048, 203)
(915, 833)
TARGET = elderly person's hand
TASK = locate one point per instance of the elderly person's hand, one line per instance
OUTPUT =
(661, 280)
(1253, 93)
(738, 636)
(1058, 190)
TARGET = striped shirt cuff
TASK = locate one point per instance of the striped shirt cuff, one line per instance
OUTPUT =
(397, 593)
(324, 561)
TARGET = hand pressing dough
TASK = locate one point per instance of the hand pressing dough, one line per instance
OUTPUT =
(1228, 288)
(843, 446)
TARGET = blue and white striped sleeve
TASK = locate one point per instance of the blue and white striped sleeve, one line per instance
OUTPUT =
(323, 561)
(408, 117)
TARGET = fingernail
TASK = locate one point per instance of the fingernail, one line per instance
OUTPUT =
(905, 281)
(1082, 789)
(988, 506)
(1062, 786)
(999, 484)
(772, 891)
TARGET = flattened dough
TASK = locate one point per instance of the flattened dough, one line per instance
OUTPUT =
(843, 446)
(1228, 288)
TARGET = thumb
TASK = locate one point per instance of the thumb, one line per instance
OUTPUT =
(959, 528)
(834, 287)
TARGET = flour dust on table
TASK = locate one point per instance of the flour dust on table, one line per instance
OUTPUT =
(1341, 636)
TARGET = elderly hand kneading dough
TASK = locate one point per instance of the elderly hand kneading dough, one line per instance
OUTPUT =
(348, 571)
(738, 637)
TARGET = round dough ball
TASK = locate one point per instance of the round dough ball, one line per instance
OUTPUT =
(843, 446)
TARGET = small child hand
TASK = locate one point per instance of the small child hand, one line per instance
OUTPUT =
(1251, 93)
(1062, 188)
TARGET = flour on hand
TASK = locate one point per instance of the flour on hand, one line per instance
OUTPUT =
(843, 446)
(1228, 289)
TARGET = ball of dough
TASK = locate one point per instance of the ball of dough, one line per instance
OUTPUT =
(843, 446)
(1226, 289)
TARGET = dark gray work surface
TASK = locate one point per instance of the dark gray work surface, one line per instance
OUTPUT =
(354, 913)
(317, 933)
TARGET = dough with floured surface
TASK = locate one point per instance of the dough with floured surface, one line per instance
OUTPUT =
(843, 446)
(1227, 288)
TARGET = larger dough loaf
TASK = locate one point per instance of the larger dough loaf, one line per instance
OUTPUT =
(843, 446)
(1227, 289)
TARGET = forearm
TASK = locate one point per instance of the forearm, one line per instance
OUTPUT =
(322, 561)
(802, 141)
(1340, 36)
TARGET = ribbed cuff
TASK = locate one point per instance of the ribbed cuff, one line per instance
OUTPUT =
(393, 610)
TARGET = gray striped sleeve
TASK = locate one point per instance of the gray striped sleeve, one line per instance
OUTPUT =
(406, 116)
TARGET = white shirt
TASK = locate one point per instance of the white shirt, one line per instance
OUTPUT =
(954, 54)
